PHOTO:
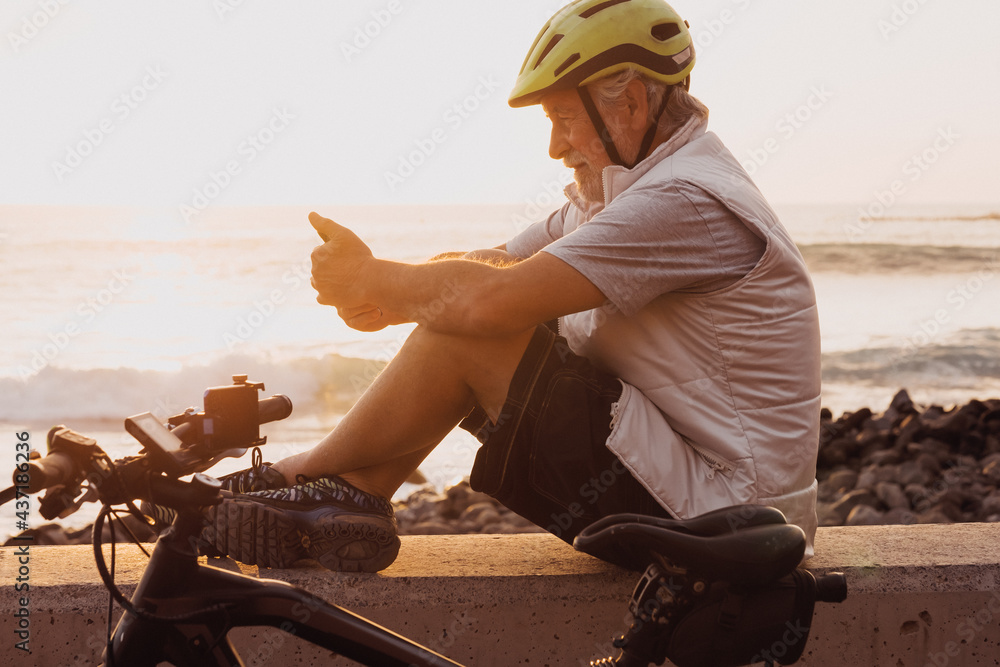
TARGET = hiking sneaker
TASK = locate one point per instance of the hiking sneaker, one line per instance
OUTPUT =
(326, 519)
(259, 477)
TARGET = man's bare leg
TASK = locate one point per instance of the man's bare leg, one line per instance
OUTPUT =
(422, 394)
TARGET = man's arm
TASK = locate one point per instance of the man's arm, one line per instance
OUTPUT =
(458, 296)
(496, 256)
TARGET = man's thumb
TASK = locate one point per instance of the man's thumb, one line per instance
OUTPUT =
(323, 226)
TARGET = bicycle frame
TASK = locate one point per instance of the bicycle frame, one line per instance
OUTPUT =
(176, 584)
(182, 610)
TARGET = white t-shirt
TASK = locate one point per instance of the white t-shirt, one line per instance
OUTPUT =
(650, 240)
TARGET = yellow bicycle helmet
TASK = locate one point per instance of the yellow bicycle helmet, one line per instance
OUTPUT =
(590, 39)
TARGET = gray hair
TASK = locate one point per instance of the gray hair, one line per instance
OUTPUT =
(681, 105)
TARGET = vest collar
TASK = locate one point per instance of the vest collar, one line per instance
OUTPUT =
(617, 178)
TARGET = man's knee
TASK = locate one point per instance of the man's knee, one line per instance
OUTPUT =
(485, 365)
(488, 351)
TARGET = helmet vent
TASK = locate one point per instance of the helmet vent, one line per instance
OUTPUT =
(665, 31)
(566, 63)
(596, 8)
(548, 47)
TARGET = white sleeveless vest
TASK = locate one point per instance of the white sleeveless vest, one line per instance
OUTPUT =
(721, 396)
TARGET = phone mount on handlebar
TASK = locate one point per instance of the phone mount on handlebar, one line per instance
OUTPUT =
(227, 427)
(195, 441)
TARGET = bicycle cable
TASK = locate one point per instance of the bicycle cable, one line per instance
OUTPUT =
(118, 596)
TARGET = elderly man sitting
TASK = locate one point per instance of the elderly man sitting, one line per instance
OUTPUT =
(657, 334)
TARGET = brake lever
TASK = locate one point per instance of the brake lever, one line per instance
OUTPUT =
(67, 499)
(60, 501)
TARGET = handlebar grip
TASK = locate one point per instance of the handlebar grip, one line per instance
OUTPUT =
(272, 409)
(50, 470)
(831, 587)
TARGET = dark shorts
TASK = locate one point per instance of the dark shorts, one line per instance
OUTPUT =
(546, 458)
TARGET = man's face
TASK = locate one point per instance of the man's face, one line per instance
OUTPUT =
(574, 141)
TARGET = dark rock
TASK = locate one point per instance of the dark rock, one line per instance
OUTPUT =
(991, 421)
(899, 517)
(883, 457)
(865, 515)
(432, 527)
(837, 484)
(991, 471)
(459, 510)
(480, 512)
(54, 534)
(911, 472)
(904, 433)
(891, 495)
(837, 452)
(939, 450)
(827, 516)
(952, 425)
(460, 497)
(934, 515)
(899, 409)
(991, 505)
(843, 507)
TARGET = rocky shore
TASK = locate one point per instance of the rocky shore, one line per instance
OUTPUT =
(458, 510)
(902, 466)
(906, 465)
(910, 466)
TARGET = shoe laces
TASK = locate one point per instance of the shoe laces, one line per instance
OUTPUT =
(243, 481)
(329, 490)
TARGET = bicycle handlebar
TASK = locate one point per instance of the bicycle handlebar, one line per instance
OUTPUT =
(72, 456)
(50, 470)
(273, 409)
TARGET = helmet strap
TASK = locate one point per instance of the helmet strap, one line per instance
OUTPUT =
(605, 135)
(599, 125)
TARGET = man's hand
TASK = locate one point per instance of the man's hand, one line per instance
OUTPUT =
(338, 266)
(487, 293)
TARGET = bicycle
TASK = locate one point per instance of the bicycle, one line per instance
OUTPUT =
(720, 589)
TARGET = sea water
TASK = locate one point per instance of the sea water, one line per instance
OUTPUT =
(110, 312)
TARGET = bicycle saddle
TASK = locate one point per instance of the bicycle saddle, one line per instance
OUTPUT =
(740, 544)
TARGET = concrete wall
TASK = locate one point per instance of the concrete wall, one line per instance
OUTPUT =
(918, 595)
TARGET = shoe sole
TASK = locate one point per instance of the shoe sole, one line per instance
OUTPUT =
(258, 534)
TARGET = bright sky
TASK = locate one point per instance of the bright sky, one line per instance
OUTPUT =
(399, 101)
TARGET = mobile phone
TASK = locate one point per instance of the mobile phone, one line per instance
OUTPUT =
(162, 446)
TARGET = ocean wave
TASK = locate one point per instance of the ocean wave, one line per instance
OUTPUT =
(326, 385)
(987, 217)
(968, 358)
(329, 385)
(893, 258)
